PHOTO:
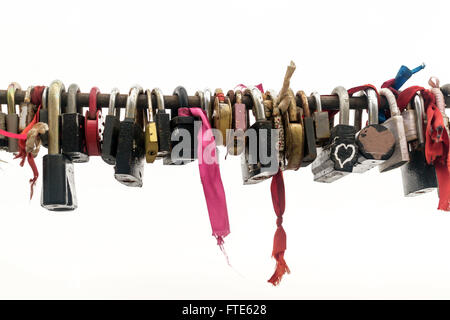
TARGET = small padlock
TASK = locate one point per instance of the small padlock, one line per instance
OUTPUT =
(12, 119)
(410, 123)
(310, 152)
(43, 116)
(183, 138)
(259, 161)
(93, 125)
(151, 134)
(273, 113)
(58, 185)
(375, 142)
(321, 121)
(73, 139)
(222, 114)
(111, 130)
(396, 126)
(3, 139)
(25, 109)
(129, 169)
(162, 120)
(294, 133)
(339, 155)
(239, 124)
(417, 175)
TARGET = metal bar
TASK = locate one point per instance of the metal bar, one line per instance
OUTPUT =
(329, 102)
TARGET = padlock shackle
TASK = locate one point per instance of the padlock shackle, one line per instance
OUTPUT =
(305, 104)
(148, 118)
(258, 105)
(316, 97)
(201, 97)
(183, 101)
(27, 98)
(130, 111)
(159, 99)
(344, 104)
(11, 91)
(112, 110)
(393, 107)
(72, 98)
(54, 110)
(44, 98)
(419, 107)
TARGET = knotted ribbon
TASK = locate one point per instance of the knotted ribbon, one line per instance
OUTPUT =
(210, 176)
(436, 140)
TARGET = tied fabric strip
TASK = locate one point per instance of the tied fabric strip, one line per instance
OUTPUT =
(210, 176)
(436, 141)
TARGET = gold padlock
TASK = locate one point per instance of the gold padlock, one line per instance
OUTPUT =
(294, 134)
(151, 135)
(222, 114)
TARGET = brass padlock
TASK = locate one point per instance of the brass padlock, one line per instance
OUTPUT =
(222, 115)
(294, 135)
(310, 151)
(274, 114)
(26, 110)
(395, 124)
(151, 135)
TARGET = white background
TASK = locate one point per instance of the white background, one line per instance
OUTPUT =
(356, 238)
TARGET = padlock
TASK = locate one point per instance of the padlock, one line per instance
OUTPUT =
(111, 130)
(274, 114)
(294, 133)
(25, 109)
(375, 142)
(321, 121)
(222, 114)
(259, 161)
(183, 138)
(417, 175)
(207, 96)
(310, 152)
(12, 119)
(93, 125)
(339, 155)
(58, 186)
(73, 139)
(162, 120)
(151, 135)
(235, 145)
(396, 126)
(3, 139)
(410, 123)
(43, 116)
(129, 168)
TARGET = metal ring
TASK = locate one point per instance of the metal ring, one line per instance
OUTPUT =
(159, 99)
(72, 98)
(112, 103)
(54, 110)
(10, 97)
(201, 96)
(344, 104)
(392, 102)
(316, 97)
(135, 91)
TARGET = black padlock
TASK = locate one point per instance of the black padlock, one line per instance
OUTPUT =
(43, 116)
(58, 186)
(162, 120)
(310, 152)
(183, 139)
(111, 130)
(129, 168)
(73, 140)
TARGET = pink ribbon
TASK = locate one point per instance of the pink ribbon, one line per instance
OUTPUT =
(210, 176)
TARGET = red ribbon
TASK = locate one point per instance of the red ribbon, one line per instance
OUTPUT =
(436, 141)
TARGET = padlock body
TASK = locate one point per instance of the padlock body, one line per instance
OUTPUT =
(417, 175)
(151, 142)
(182, 127)
(43, 117)
(322, 126)
(323, 167)
(110, 139)
(129, 168)
(410, 123)
(401, 154)
(58, 185)
(162, 121)
(12, 125)
(239, 125)
(310, 152)
(73, 141)
(3, 139)
(376, 144)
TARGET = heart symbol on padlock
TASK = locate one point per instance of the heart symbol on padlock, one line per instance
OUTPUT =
(346, 152)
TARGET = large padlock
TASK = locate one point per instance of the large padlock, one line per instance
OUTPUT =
(150, 132)
(259, 161)
(375, 142)
(43, 116)
(183, 138)
(111, 130)
(162, 120)
(417, 175)
(73, 140)
(310, 152)
(396, 126)
(321, 121)
(129, 169)
(26, 110)
(58, 184)
(339, 155)
(12, 119)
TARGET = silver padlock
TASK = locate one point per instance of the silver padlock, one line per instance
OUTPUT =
(338, 156)
(395, 124)
(321, 121)
(259, 159)
(417, 175)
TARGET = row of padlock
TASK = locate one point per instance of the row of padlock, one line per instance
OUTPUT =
(287, 137)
